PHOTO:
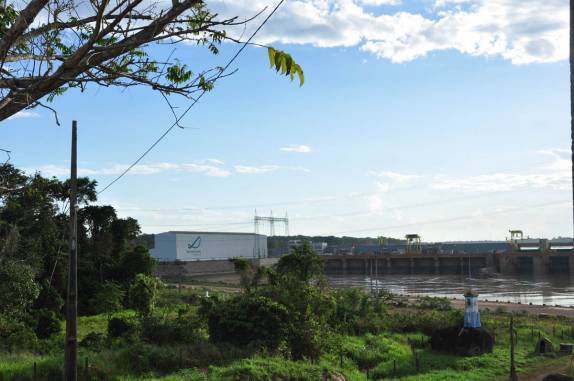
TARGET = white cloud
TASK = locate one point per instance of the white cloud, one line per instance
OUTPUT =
(299, 148)
(521, 31)
(554, 175)
(501, 182)
(208, 167)
(209, 170)
(213, 161)
(256, 170)
(140, 169)
(380, 2)
(24, 114)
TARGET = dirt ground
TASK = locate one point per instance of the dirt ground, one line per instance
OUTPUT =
(519, 308)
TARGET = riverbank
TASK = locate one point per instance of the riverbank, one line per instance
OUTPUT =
(540, 311)
(229, 283)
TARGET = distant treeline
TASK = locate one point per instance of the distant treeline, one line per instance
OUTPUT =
(332, 241)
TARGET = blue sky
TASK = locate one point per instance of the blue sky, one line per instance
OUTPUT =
(448, 119)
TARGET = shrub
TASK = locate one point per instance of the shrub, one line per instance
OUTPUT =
(246, 320)
(143, 358)
(47, 323)
(356, 313)
(118, 327)
(15, 335)
(18, 289)
(433, 303)
(108, 299)
(423, 321)
(49, 299)
(304, 334)
(143, 293)
(182, 329)
(93, 340)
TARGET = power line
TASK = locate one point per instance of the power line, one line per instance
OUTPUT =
(194, 102)
(440, 221)
(317, 201)
(454, 219)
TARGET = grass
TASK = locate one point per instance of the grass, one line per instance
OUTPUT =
(357, 358)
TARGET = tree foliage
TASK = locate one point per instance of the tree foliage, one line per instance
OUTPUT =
(18, 289)
(34, 224)
(108, 299)
(143, 293)
(48, 47)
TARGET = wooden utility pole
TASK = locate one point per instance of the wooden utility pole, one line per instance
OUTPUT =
(572, 100)
(70, 368)
(513, 376)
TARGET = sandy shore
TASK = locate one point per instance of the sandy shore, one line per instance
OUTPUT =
(519, 308)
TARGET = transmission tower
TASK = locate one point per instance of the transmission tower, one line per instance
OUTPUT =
(271, 221)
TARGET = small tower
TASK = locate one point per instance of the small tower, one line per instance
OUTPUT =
(413, 244)
(471, 313)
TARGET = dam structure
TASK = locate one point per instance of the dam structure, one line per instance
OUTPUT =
(519, 256)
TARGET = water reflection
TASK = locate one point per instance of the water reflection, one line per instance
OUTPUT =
(554, 289)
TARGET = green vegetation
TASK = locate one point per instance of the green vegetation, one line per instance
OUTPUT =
(285, 324)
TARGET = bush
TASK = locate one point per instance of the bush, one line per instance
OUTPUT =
(47, 323)
(143, 293)
(18, 289)
(108, 299)
(93, 340)
(182, 329)
(118, 327)
(356, 313)
(304, 337)
(433, 303)
(143, 358)
(15, 335)
(423, 321)
(246, 320)
(49, 299)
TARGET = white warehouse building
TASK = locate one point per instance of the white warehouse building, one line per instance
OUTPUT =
(200, 246)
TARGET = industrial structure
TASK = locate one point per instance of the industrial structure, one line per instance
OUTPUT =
(515, 255)
(257, 220)
(201, 246)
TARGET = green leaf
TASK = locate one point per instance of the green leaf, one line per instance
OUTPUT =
(300, 74)
(271, 53)
(284, 63)
(288, 64)
(278, 58)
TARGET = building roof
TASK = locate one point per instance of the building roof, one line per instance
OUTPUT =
(199, 232)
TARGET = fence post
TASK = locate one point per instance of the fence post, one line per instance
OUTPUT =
(513, 376)
(86, 368)
(394, 367)
(35, 372)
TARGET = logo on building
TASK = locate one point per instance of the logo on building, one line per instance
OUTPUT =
(195, 244)
(194, 247)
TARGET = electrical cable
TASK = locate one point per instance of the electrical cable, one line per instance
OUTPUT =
(194, 101)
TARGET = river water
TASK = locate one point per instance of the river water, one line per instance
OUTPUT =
(551, 290)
